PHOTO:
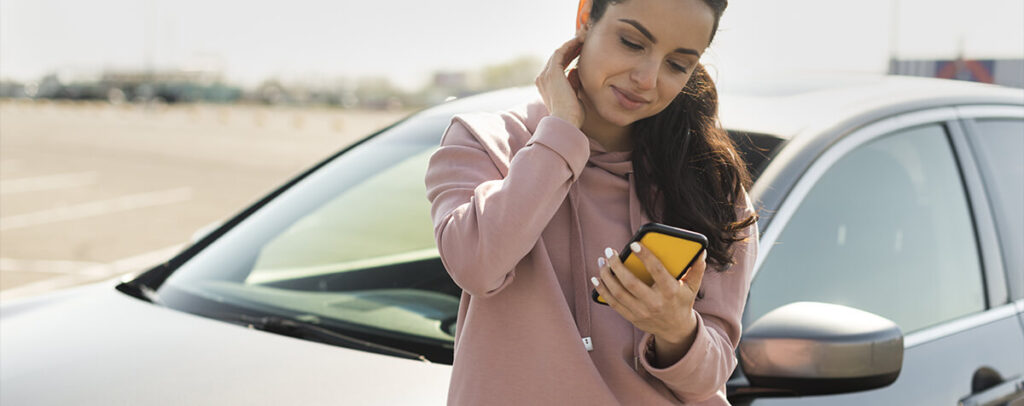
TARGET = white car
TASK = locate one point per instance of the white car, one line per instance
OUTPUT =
(890, 269)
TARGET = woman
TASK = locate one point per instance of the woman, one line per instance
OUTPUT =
(530, 205)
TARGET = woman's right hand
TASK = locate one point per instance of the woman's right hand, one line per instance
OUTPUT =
(561, 92)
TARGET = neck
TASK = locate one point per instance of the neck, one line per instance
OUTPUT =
(612, 137)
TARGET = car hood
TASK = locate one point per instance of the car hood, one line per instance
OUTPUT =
(96, 345)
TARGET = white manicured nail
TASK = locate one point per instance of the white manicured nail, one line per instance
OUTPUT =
(600, 262)
(608, 252)
(593, 279)
(635, 246)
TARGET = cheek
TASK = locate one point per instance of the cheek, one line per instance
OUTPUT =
(588, 67)
(667, 94)
(600, 59)
(591, 78)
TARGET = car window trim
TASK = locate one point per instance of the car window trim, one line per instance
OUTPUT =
(989, 247)
(965, 323)
(948, 118)
(968, 115)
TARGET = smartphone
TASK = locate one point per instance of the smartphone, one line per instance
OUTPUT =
(676, 248)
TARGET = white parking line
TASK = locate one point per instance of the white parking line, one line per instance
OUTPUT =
(91, 273)
(48, 182)
(92, 209)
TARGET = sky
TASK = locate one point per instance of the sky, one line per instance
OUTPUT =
(319, 40)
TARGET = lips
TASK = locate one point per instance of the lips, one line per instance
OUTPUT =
(631, 96)
(628, 100)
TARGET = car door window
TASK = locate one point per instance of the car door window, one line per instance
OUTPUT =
(886, 229)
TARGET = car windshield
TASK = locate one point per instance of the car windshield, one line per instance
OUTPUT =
(328, 247)
(350, 246)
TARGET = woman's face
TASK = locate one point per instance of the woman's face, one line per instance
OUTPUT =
(639, 55)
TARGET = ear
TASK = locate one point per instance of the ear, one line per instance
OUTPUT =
(582, 15)
(583, 30)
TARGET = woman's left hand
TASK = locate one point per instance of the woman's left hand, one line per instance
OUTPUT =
(664, 309)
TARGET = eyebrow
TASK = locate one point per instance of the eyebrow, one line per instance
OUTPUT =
(643, 30)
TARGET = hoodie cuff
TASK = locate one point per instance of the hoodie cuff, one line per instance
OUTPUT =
(566, 140)
(699, 355)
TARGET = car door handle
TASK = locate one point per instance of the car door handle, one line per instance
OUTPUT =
(1009, 393)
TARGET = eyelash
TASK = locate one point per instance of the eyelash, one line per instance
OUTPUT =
(638, 47)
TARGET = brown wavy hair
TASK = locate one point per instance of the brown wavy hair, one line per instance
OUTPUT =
(683, 159)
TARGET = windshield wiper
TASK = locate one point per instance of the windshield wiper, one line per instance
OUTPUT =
(281, 325)
(309, 330)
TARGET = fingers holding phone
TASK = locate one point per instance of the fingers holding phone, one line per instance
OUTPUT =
(661, 278)
(663, 258)
(654, 301)
(695, 275)
(621, 285)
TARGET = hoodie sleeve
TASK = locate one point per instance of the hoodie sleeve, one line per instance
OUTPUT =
(485, 223)
(705, 368)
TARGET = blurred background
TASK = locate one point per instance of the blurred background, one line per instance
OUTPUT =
(128, 125)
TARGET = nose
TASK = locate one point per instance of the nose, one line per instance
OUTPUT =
(645, 75)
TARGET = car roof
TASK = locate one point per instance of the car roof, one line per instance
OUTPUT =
(785, 105)
(811, 112)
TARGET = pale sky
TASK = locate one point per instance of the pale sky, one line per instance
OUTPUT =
(406, 40)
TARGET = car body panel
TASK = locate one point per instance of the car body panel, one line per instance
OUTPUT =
(939, 371)
(95, 345)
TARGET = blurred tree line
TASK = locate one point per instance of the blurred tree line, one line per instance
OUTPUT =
(206, 87)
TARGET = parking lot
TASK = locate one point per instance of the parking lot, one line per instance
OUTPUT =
(92, 190)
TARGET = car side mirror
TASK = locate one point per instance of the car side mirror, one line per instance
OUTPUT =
(809, 348)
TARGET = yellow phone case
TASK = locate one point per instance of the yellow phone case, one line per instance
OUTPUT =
(676, 248)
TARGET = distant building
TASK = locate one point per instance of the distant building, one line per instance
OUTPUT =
(451, 80)
(1006, 72)
(12, 89)
(174, 86)
(447, 85)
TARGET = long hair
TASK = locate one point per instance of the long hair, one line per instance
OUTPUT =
(688, 173)
(685, 161)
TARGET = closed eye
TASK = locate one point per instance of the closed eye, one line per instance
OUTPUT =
(631, 44)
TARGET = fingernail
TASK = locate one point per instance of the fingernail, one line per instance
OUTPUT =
(635, 246)
(608, 252)
(593, 279)
(600, 262)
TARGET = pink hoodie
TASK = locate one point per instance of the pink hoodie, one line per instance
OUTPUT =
(523, 205)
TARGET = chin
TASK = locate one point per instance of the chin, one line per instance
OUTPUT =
(610, 112)
(618, 116)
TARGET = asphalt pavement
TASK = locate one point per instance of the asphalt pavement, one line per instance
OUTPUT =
(91, 191)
